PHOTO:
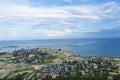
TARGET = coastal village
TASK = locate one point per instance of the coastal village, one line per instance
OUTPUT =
(92, 66)
(39, 62)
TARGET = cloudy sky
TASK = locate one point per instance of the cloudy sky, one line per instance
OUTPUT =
(50, 19)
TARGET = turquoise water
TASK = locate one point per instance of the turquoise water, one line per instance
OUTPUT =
(84, 46)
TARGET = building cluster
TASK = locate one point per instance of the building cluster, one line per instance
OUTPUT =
(34, 55)
(91, 66)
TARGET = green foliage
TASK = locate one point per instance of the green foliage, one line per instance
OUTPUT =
(34, 76)
(116, 77)
(78, 77)
(32, 68)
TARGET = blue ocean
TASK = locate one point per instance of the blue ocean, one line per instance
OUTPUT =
(83, 46)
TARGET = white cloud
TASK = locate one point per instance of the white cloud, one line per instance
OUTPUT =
(26, 12)
(34, 22)
(13, 34)
(91, 17)
(68, 31)
(57, 33)
(29, 13)
(54, 33)
(69, 1)
(65, 23)
(84, 0)
(81, 12)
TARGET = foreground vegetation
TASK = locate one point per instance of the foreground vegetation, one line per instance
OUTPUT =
(34, 76)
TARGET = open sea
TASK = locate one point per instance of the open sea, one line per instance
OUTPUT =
(83, 46)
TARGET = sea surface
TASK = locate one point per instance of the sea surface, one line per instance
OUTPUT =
(83, 46)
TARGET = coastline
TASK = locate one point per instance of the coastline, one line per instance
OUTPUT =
(83, 47)
(16, 62)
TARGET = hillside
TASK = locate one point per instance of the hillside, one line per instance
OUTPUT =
(36, 63)
(29, 60)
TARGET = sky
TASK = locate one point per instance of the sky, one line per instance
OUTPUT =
(54, 19)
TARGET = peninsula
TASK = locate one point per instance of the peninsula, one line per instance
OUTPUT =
(36, 63)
